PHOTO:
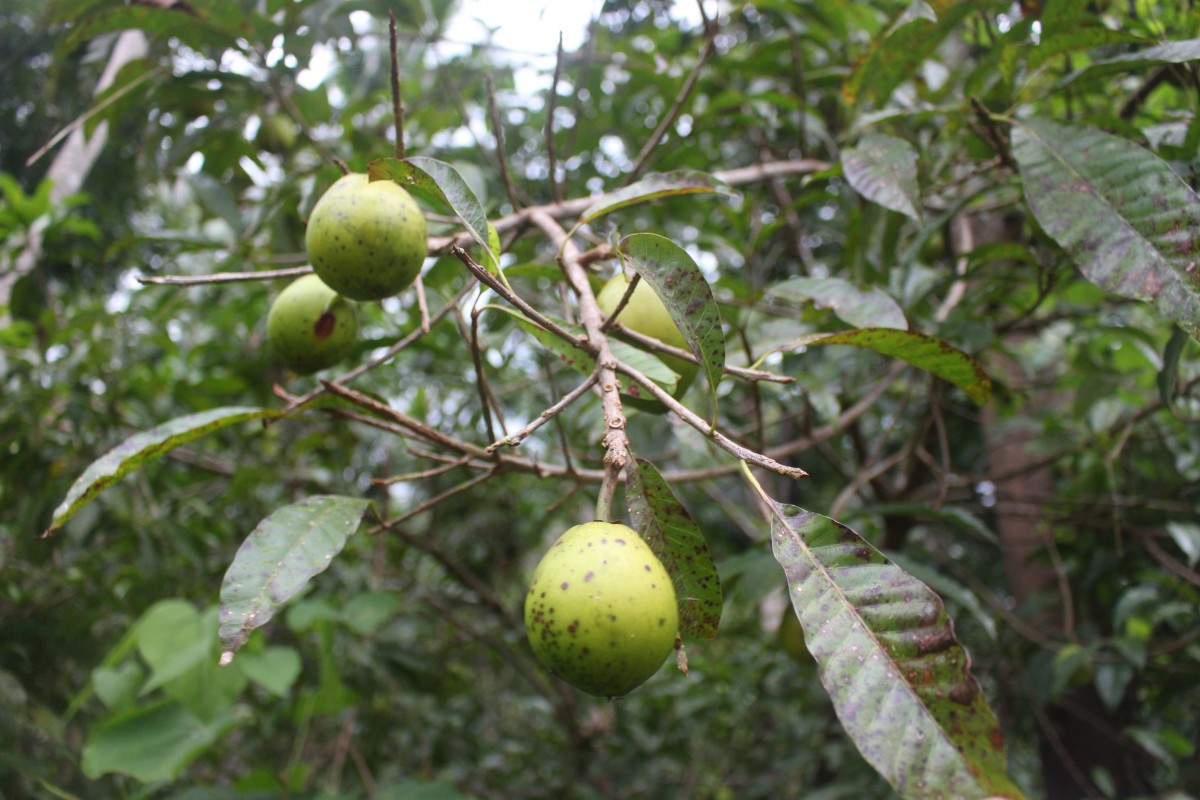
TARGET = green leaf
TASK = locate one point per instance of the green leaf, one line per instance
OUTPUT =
(150, 744)
(274, 668)
(869, 307)
(887, 656)
(924, 352)
(669, 530)
(170, 640)
(1129, 223)
(443, 184)
(279, 558)
(883, 169)
(1168, 376)
(1176, 52)
(896, 54)
(680, 284)
(142, 448)
(117, 687)
(652, 187)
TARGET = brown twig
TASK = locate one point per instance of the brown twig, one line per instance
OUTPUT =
(431, 503)
(422, 304)
(514, 439)
(650, 343)
(498, 132)
(680, 99)
(624, 301)
(551, 107)
(425, 473)
(341, 380)
(397, 100)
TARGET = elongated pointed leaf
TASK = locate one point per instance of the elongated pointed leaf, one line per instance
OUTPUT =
(654, 186)
(680, 284)
(1176, 52)
(925, 352)
(445, 185)
(861, 307)
(1129, 223)
(883, 169)
(142, 448)
(279, 558)
(665, 524)
(886, 654)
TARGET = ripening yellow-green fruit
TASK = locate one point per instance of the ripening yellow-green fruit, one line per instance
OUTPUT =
(646, 314)
(600, 612)
(310, 327)
(276, 133)
(366, 239)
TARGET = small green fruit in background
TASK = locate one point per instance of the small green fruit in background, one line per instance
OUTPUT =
(366, 239)
(309, 327)
(276, 134)
(646, 314)
(600, 612)
(791, 636)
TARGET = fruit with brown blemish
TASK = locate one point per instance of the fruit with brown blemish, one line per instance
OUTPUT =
(646, 314)
(366, 239)
(600, 612)
(310, 327)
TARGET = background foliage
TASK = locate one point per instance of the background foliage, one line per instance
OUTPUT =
(970, 161)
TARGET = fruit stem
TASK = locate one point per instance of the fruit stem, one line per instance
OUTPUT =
(608, 490)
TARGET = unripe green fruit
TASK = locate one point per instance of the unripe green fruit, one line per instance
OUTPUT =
(600, 612)
(276, 133)
(309, 327)
(646, 314)
(366, 239)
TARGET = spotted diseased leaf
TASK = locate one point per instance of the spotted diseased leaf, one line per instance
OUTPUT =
(142, 448)
(442, 184)
(924, 352)
(883, 169)
(886, 654)
(654, 186)
(1129, 223)
(669, 530)
(279, 558)
(679, 283)
(863, 307)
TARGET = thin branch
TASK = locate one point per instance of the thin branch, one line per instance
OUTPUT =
(422, 304)
(223, 277)
(676, 107)
(498, 132)
(650, 343)
(514, 439)
(425, 473)
(551, 107)
(485, 396)
(624, 301)
(383, 357)
(431, 503)
(397, 100)
(718, 438)
(489, 280)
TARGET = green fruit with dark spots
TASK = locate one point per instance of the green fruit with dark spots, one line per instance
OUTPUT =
(646, 314)
(600, 612)
(366, 239)
(310, 327)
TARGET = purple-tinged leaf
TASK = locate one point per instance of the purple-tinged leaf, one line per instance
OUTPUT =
(279, 558)
(924, 352)
(654, 186)
(1129, 223)
(861, 307)
(679, 283)
(442, 184)
(142, 448)
(669, 530)
(900, 682)
(883, 169)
